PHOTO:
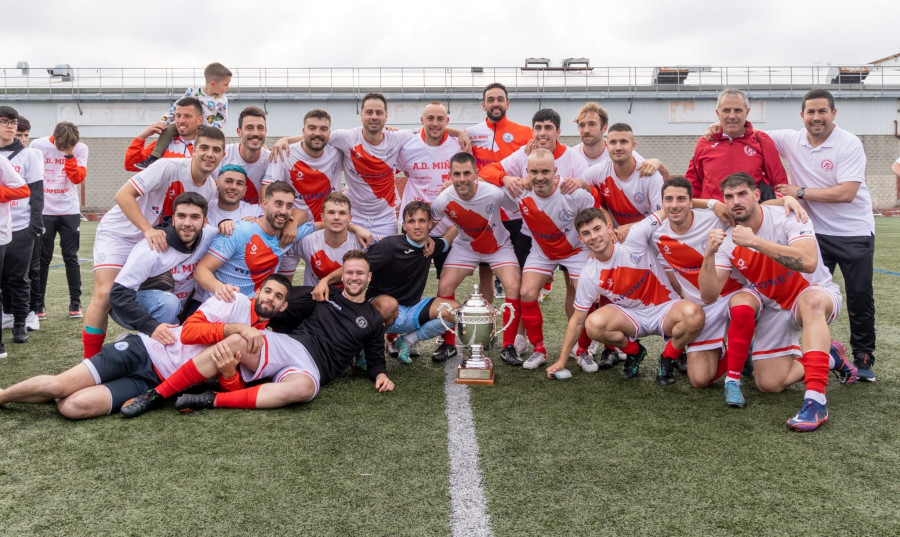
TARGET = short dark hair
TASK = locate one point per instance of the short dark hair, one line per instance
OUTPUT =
(253, 111)
(817, 94)
(279, 278)
(678, 181)
(463, 158)
(586, 216)
(317, 113)
(494, 85)
(355, 254)
(216, 72)
(8, 112)
(373, 95)
(546, 114)
(279, 186)
(210, 133)
(190, 101)
(65, 135)
(191, 198)
(337, 197)
(24, 125)
(738, 179)
(620, 127)
(415, 206)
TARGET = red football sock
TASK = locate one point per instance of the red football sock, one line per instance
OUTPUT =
(449, 335)
(534, 324)
(740, 335)
(183, 378)
(509, 336)
(92, 343)
(631, 348)
(671, 352)
(723, 366)
(584, 341)
(548, 285)
(245, 398)
(815, 365)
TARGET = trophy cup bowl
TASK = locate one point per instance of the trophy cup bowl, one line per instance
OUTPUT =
(476, 324)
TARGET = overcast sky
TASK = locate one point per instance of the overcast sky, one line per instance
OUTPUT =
(457, 33)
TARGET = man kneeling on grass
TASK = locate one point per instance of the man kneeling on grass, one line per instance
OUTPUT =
(126, 369)
(299, 363)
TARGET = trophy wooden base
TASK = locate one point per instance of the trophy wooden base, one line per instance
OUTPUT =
(483, 376)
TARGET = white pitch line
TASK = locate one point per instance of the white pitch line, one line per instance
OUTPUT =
(468, 507)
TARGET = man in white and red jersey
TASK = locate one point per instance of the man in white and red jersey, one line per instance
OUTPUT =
(473, 207)
(188, 119)
(140, 205)
(65, 161)
(121, 371)
(12, 187)
(549, 216)
(322, 251)
(641, 300)
(152, 289)
(27, 226)
(779, 259)
(250, 153)
(425, 159)
(231, 186)
(828, 176)
(736, 148)
(311, 165)
(313, 355)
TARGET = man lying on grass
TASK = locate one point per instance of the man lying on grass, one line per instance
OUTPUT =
(298, 363)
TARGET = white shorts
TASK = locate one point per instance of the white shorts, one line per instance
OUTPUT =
(778, 331)
(540, 263)
(649, 319)
(715, 326)
(381, 227)
(462, 256)
(111, 251)
(281, 356)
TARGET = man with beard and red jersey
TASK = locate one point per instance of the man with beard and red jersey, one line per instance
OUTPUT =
(121, 371)
(188, 120)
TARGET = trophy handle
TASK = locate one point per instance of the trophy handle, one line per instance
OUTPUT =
(441, 306)
(511, 317)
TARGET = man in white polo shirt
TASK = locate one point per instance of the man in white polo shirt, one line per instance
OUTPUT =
(828, 176)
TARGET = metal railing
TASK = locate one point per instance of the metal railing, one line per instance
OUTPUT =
(66, 83)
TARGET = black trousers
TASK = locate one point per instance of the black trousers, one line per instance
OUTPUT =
(34, 275)
(68, 227)
(14, 274)
(854, 256)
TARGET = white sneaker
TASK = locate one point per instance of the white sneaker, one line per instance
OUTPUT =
(414, 350)
(593, 348)
(521, 344)
(587, 363)
(32, 322)
(537, 360)
(7, 320)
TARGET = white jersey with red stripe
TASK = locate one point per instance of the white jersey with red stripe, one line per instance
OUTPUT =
(478, 219)
(551, 220)
(29, 163)
(369, 170)
(215, 214)
(603, 158)
(8, 178)
(60, 194)
(427, 168)
(157, 186)
(256, 170)
(628, 200)
(321, 258)
(632, 278)
(778, 285)
(313, 178)
(682, 253)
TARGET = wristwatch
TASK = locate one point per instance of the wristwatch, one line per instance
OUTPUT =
(800, 192)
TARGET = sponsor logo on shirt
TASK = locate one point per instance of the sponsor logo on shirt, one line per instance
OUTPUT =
(749, 151)
(362, 322)
(507, 137)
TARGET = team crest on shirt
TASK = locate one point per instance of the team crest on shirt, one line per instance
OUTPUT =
(635, 258)
(490, 209)
(362, 322)
(827, 165)
(121, 346)
(564, 215)
(639, 197)
(507, 137)
(749, 151)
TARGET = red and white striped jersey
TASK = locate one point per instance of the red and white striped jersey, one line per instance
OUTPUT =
(778, 285)
(29, 163)
(157, 186)
(11, 186)
(632, 278)
(256, 170)
(478, 219)
(629, 200)
(321, 258)
(427, 168)
(313, 178)
(61, 176)
(551, 220)
(369, 170)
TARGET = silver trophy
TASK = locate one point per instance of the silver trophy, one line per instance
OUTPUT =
(476, 324)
